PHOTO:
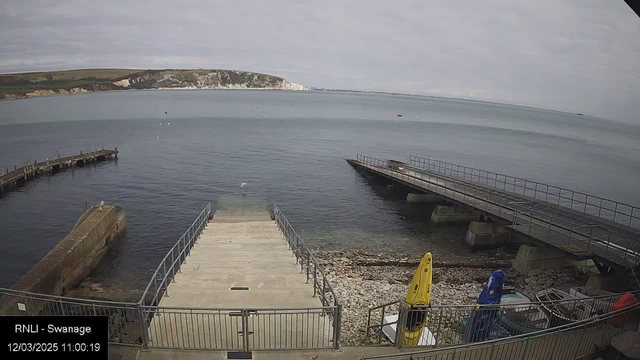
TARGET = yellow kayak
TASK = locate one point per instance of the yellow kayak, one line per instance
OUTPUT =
(418, 297)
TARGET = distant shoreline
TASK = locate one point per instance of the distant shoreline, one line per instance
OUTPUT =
(28, 85)
(132, 90)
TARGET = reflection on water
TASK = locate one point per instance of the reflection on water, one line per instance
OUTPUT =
(289, 148)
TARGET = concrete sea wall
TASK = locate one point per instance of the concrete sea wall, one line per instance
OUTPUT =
(74, 257)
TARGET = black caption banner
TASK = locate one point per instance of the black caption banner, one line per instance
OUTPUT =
(47, 337)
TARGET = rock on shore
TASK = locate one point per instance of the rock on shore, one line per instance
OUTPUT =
(362, 280)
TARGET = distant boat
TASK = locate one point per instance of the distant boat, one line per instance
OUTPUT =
(580, 114)
(399, 115)
(560, 308)
(521, 319)
(593, 307)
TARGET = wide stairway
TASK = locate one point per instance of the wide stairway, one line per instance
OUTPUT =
(240, 289)
(240, 261)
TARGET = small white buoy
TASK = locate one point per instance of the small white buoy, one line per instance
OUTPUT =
(157, 137)
(168, 123)
(396, 122)
(160, 124)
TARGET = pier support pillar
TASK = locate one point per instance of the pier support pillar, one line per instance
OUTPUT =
(423, 198)
(612, 283)
(442, 214)
(486, 234)
(533, 257)
(398, 189)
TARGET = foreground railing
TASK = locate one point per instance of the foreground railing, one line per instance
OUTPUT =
(245, 329)
(306, 260)
(566, 342)
(189, 327)
(615, 211)
(125, 319)
(173, 260)
(309, 265)
(461, 324)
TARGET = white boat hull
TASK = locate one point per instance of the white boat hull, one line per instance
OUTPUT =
(389, 330)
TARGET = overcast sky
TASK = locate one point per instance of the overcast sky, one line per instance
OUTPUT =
(572, 55)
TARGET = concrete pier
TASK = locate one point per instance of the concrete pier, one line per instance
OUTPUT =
(73, 258)
(20, 175)
(423, 198)
(242, 262)
(578, 224)
(443, 214)
(533, 257)
(486, 234)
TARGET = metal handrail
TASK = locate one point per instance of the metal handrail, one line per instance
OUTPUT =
(304, 257)
(468, 173)
(165, 274)
(235, 309)
(522, 337)
(583, 307)
(498, 306)
(381, 324)
(442, 321)
(448, 185)
(12, 292)
(530, 205)
(574, 228)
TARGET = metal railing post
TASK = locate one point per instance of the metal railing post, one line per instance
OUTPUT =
(439, 324)
(245, 330)
(600, 207)
(166, 286)
(526, 348)
(570, 235)
(315, 275)
(307, 268)
(324, 291)
(337, 324)
(398, 341)
(381, 324)
(143, 327)
(173, 268)
(530, 222)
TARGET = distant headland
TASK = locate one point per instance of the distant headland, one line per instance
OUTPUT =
(25, 85)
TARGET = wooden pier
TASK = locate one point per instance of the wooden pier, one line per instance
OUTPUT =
(19, 176)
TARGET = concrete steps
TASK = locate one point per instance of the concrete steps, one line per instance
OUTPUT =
(235, 253)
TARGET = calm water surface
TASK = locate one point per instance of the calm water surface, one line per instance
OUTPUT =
(289, 147)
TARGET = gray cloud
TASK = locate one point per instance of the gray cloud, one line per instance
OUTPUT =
(573, 55)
